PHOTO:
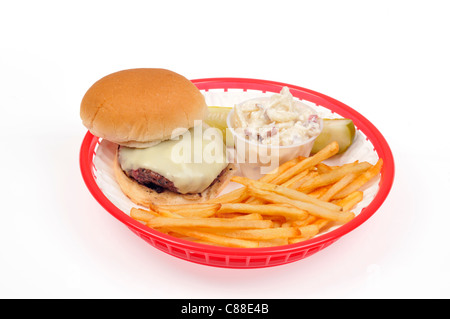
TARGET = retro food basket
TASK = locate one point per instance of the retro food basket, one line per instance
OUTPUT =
(249, 257)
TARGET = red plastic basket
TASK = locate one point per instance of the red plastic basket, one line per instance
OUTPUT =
(250, 257)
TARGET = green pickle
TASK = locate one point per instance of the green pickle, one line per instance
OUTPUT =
(339, 130)
(217, 117)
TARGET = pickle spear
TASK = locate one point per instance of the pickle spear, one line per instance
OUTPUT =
(339, 130)
(217, 117)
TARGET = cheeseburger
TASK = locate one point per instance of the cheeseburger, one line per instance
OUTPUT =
(155, 118)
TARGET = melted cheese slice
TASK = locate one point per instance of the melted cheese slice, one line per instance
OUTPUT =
(191, 161)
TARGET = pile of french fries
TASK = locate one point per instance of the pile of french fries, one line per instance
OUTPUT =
(299, 200)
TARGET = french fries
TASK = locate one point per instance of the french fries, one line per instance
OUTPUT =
(333, 176)
(236, 196)
(262, 234)
(288, 192)
(313, 209)
(349, 201)
(361, 180)
(288, 211)
(336, 187)
(188, 210)
(299, 200)
(216, 239)
(320, 156)
(158, 222)
(142, 214)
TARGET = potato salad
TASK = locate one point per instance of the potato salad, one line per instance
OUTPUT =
(278, 120)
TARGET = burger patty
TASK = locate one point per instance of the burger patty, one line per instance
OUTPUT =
(153, 180)
(156, 181)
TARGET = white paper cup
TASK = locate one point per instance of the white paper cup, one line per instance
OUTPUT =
(256, 159)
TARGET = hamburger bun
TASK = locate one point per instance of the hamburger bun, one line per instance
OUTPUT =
(141, 107)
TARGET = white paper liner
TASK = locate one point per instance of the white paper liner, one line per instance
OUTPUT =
(361, 149)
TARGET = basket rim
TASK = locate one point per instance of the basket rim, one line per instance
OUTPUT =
(381, 147)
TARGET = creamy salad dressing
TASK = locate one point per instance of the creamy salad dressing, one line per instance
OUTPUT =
(279, 120)
(178, 159)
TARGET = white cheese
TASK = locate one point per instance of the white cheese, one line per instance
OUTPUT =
(191, 161)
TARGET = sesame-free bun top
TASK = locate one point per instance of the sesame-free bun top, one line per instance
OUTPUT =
(139, 107)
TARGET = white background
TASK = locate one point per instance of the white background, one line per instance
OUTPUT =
(389, 60)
